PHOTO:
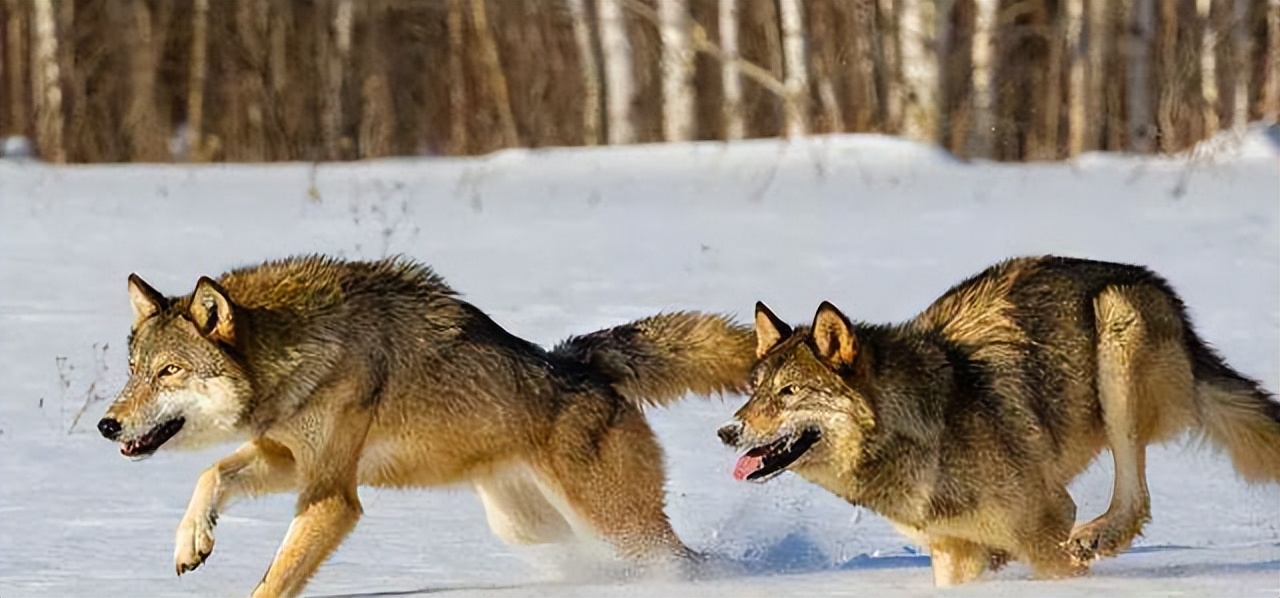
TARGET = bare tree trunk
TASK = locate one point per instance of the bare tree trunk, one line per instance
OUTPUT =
(1271, 82)
(1169, 86)
(282, 90)
(195, 92)
(984, 24)
(796, 104)
(677, 71)
(250, 94)
(1095, 74)
(334, 46)
(1076, 111)
(459, 138)
(866, 105)
(1243, 67)
(891, 39)
(142, 126)
(1050, 103)
(46, 83)
(590, 72)
(729, 75)
(74, 94)
(494, 78)
(920, 70)
(1208, 67)
(823, 50)
(619, 80)
(1138, 51)
(1116, 76)
(15, 66)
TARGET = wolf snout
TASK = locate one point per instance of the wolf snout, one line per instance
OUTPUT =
(730, 433)
(109, 428)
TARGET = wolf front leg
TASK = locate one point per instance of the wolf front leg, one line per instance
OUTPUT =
(328, 456)
(257, 467)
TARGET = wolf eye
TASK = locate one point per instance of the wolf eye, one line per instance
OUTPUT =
(169, 370)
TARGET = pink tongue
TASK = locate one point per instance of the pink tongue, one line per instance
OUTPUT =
(746, 466)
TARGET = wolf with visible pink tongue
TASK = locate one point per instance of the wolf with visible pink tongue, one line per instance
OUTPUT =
(964, 425)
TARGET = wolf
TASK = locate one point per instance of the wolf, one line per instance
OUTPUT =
(335, 374)
(964, 425)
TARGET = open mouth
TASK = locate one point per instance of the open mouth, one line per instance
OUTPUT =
(762, 462)
(148, 443)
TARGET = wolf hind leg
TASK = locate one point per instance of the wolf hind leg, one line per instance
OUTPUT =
(1146, 392)
(610, 475)
(517, 510)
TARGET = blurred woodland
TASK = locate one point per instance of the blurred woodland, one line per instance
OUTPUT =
(263, 80)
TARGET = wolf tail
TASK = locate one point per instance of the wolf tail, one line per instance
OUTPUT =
(1236, 414)
(656, 360)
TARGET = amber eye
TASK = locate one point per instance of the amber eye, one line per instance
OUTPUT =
(169, 370)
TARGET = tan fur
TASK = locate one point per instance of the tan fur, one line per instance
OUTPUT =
(965, 425)
(343, 374)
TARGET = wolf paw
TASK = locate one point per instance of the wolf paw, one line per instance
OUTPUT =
(193, 543)
(1097, 539)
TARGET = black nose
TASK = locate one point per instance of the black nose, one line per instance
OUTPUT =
(109, 428)
(729, 433)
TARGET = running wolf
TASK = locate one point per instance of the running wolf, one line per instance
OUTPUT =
(964, 425)
(342, 373)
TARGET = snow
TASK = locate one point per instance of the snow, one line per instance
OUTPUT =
(556, 242)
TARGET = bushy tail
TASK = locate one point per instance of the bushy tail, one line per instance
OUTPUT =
(1237, 415)
(656, 360)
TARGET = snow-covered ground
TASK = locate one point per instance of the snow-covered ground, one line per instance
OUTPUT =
(557, 242)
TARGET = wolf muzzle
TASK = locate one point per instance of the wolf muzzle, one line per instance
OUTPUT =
(110, 428)
(730, 434)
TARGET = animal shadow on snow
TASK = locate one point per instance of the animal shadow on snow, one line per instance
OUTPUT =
(797, 552)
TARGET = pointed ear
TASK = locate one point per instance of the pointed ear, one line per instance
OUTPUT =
(833, 335)
(770, 330)
(146, 301)
(212, 311)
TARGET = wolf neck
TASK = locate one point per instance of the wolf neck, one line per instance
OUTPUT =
(287, 357)
(903, 379)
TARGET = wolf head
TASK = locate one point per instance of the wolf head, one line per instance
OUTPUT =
(186, 389)
(805, 412)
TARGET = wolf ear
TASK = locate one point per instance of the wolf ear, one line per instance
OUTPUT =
(146, 301)
(770, 330)
(212, 311)
(833, 335)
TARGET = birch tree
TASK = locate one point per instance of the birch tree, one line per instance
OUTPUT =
(590, 72)
(920, 70)
(1076, 110)
(677, 71)
(729, 72)
(1244, 49)
(983, 107)
(46, 83)
(619, 86)
(795, 72)
(1208, 67)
